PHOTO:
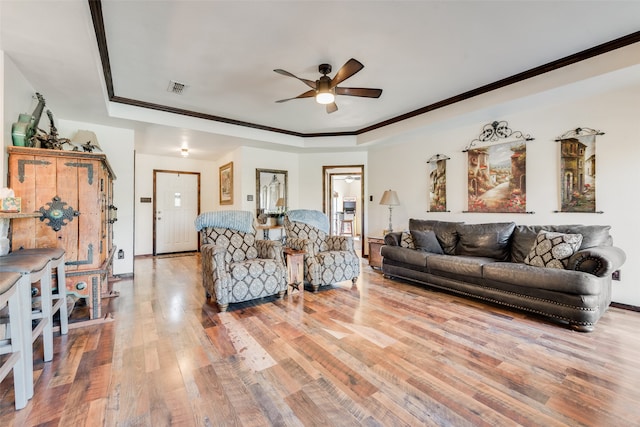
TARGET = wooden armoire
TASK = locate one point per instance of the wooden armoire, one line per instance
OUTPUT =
(73, 191)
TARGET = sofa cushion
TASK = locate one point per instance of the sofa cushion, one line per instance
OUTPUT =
(552, 279)
(448, 265)
(404, 255)
(426, 241)
(445, 232)
(553, 249)
(485, 240)
(524, 237)
(406, 240)
(592, 235)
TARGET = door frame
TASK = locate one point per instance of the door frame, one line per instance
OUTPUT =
(327, 189)
(175, 172)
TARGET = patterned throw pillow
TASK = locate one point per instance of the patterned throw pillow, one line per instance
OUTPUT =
(406, 241)
(553, 249)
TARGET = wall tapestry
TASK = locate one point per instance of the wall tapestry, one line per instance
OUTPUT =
(578, 170)
(438, 183)
(497, 173)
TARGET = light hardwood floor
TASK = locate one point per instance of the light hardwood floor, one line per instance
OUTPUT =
(381, 353)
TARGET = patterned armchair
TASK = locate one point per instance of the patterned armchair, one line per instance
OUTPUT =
(327, 259)
(236, 266)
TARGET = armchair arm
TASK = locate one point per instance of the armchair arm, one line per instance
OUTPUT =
(269, 249)
(599, 260)
(340, 243)
(215, 275)
(301, 245)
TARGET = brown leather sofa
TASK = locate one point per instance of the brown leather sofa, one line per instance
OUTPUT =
(494, 262)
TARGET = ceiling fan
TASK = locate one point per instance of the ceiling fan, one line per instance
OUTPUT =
(325, 89)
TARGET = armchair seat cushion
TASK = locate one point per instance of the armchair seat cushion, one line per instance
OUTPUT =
(255, 278)
(252, 269)
(337, 257)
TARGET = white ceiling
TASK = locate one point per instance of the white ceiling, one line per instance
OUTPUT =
(418, 52)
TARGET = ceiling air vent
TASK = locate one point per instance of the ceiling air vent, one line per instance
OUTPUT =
(176, 87)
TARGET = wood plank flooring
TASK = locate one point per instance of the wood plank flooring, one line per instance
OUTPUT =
(382, 353)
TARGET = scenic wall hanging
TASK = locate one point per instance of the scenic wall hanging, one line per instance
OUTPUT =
(497, 173)
(438, 183)
(578, 170)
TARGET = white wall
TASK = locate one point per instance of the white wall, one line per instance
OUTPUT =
(401, 165)
(17, 98)
(144, 167)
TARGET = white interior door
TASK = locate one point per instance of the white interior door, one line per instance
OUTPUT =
(176, 209)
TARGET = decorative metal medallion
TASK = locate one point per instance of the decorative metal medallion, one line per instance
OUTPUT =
(57, 213)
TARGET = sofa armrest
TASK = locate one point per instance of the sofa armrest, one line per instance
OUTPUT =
(599, 260)
(269, 249)
(393, 238)
(340, 243)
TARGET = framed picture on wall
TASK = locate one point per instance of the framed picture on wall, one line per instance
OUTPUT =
(226, 184)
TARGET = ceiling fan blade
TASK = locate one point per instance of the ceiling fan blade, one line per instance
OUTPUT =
(307, 94)
(351, 67)
(309, 83)
(359, 91)
(332, 108)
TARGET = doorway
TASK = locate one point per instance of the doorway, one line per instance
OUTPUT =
(343, 201)
(176, 204)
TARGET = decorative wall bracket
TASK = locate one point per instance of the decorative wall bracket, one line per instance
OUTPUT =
(57, 213)
(437, 157)
(574, 133)
(495, 131)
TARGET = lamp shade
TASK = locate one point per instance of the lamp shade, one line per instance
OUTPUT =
(85, 137)
(390, 198)
(280, 202)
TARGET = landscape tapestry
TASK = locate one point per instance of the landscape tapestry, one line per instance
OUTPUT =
(497, 178)
(578, 173)
(438, 186)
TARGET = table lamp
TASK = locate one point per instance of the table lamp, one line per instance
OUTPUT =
(390, 198)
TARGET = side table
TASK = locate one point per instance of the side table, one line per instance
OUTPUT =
(295, 269)
(267, 228)
(375, 259)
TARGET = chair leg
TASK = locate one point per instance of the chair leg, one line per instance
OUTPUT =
(223, 307)
(18, 358)
(315, 288)
(281, 294)
(61, 297)
(46, 306)
(27, 337)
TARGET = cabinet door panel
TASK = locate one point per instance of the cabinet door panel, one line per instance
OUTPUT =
(67, 190)
(89, 228)
(22, 181)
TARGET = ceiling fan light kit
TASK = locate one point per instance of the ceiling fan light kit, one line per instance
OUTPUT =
(325, 89)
